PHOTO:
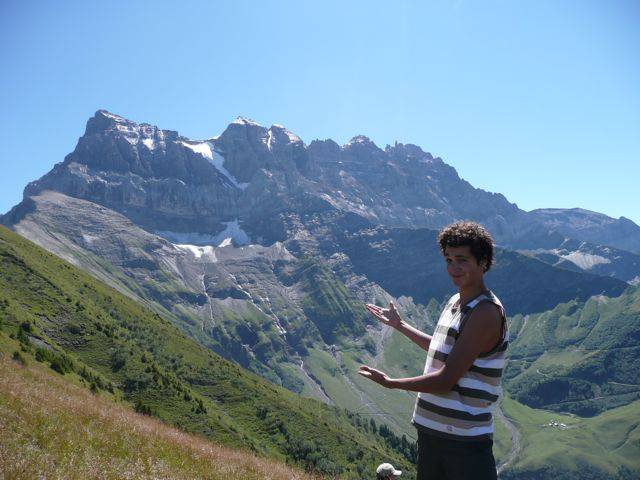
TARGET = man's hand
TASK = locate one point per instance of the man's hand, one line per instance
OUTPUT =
(375, 375)
(388, 316)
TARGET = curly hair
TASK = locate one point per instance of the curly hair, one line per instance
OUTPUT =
(469, 233)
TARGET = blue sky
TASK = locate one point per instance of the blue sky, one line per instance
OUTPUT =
(537, 100)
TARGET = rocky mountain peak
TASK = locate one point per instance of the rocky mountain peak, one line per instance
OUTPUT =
(324, 151)
(242, 133)
(279, 136)
(360, 140)
(103, 121)
(245, 121)
(408, 151)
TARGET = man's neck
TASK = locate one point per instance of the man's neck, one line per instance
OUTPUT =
(469, 293)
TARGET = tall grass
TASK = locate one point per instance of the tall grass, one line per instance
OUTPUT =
(53, 429)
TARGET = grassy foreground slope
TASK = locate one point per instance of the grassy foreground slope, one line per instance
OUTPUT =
(65, 318)
(53, 427)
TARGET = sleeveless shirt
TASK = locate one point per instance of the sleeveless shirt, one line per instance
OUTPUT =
(464, 412)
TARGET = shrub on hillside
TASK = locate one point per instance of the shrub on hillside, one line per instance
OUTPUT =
(18, 357)
(143, 408)
(61, 364)
(370, 346)
(118, 360)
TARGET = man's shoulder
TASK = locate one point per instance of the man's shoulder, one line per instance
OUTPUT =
(485, 320)
(494, 298)
(488, 309)
(488, 302)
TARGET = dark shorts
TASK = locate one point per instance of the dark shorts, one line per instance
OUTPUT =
(444, 459)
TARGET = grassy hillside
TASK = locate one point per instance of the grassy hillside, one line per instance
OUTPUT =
(65, 318)
(561, 446)
(580, 357)
(51, 426)
(327, 302)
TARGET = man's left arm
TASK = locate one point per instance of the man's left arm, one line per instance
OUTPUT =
(481, 333)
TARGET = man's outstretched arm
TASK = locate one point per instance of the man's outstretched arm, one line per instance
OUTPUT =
(390, 316)
(480, 334)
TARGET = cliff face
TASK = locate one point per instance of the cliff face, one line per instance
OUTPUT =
(167, 182)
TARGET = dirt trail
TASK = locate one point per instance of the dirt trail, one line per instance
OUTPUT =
(315, 386)
(515, 439)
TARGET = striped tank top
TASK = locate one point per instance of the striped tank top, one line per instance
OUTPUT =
(465, 412)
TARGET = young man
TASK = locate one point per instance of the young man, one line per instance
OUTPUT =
(461, 380)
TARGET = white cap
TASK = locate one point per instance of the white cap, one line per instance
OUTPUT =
(387, 469)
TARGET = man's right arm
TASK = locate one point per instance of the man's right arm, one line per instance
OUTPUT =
(416, 336)
(389, 316)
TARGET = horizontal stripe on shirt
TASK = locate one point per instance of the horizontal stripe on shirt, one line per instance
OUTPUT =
(452, 412)
(474, 393)
(452, 429)
(485, 437)
(455, 401)
(466, 425)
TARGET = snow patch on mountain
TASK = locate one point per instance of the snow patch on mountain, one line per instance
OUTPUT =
(234, 233)
(585, 261)
(149, 143)
(88, 239)
(207, 150)
(269, 139)
(274, 134)
(201, 148)
(206, 252)
(217, 160)
(108, 114)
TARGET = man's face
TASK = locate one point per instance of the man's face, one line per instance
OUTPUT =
(462, 266)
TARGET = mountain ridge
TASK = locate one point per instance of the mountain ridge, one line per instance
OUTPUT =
(247, 168)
